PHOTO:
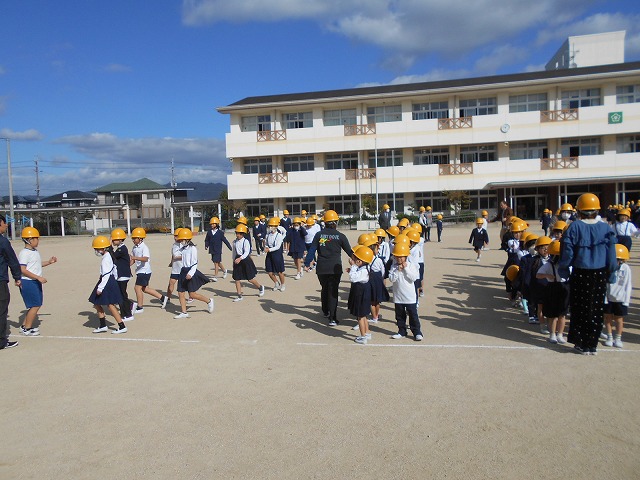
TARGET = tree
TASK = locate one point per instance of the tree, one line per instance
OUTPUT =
(369, 205)
(458, 199)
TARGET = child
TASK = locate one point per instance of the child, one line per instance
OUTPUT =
(416, 248)
(485, 225)
(555, 303)
(122, 261)
(312, 228)
(532, 287)
(191, 279)
(106, 291)
(512, 246)
(393, 232)
(383, 248)
(379, 292)
(616, 302)
(545, 221)
(273, 245)
(479, 238)
(175, 264)
(558, 229)
(403, 275)
(439, 227)
(141, 255)
(624, 228)
(243, 266)
(31, 289)
(359, 302)
(213, 242)
(259, 232)
(295, 240)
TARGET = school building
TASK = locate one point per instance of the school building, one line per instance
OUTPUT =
(539, 139)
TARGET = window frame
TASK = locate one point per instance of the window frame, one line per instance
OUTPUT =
(257, 165)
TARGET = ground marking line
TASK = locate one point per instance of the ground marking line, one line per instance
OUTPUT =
(488, 347)
(117, 339)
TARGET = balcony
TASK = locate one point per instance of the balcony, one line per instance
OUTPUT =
(559, 163)
(361, 173)
(367, 129)
(271, 135)
(449, 123)
(273, 178)
(559, 115)
(456, 169)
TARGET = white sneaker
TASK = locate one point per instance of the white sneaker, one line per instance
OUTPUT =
(298, 276)
(163, 302)
(361, 340)
(238, 298)
(372, 320)
(276, 287)
(181, 315)
(603, 336)
(224, 274)
(544, 329)
(210, 305)
(478, 259)
(368, 336)
(617, 343)
(119, 330)
(397, 336)
(419, 338)
(609, 342)
(189, 300)
(138, 310)
(561, 340)
(282, 288)
(357, 327)
(101, 330)
(552, 338)
(134, 306)
(128, 319)
(261, 292)
(214, 279)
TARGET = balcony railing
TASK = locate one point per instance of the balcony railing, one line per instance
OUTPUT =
(559, 115)
(558, 163)
(271, 135)
(462, 122)
(281, 177)
(456, 169)
(368, 129)
(353, 173)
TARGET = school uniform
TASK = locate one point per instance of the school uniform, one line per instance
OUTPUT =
(246, 269)
(311, 233)
(618, 297)
(176, 265)
(274, 263)
(379, 292)
(107, 284)
(286, 223)
(213, 242)
(259, 232)
(555, 296)
(190, 268)
(513, 247)
(405, 298)
(143, 269)
(478, 238)
(121, 260)
(439, 226)
(624, 232)
(31, 289)
(545, 223)
(359, 302)
(416, 255)
(296, 240)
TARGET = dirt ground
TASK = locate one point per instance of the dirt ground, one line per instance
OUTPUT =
(265, 389)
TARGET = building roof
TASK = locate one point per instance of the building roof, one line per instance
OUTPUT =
(426, 87)
(142, 185)
(70, 195)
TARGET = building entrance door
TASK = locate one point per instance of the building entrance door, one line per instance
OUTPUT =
(528, 206)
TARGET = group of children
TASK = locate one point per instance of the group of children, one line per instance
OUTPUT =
(534, 282)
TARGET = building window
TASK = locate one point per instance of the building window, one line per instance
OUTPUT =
(385, 113)
(575, 147)
(298, 163)
(628, 144)
(528, 150)
(386, 158)
(531, 102)
(478, 153)
(260, 123)
(478, 106)
(588, 97)
(153, 196)
(397, 207)
(425, 111)
(257, 165)
(111, 198)
(339, 117)
(431, 156)
(258, 206)
(344, 204)
(340, 161)
(628, 94)
(298, 120)
(296, 204)
(481, 199)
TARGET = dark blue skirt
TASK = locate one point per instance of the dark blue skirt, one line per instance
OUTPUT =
(110, 295)
(194, 283)
(359, 302)
(274, 262)
(379, 292)
(245, 270)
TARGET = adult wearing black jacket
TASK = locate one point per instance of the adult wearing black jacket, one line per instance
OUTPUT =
(384, 220)
(8, 261)
(329, 242)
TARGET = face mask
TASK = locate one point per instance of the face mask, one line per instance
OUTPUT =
(387, 210)
(273, 229)
(532, 250)
(98, 253)
(296, 227)
(184, 243)
(565, 216)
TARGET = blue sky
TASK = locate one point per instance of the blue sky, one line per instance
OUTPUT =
(105, 91)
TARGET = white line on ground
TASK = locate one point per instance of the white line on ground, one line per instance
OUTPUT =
(115, 339)
(487, 347)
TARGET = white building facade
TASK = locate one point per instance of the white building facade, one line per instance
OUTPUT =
(538, 139)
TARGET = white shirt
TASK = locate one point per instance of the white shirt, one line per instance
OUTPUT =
(274, 240)
(404, 289)
(142, 250)
(384, 252)
(358, 274)
(107, 268)
(620, 291)
(485, 224)
(190, 258)
(377, 265)
(31, 259)
(311, 232)
(551, 269)
(241, 248)
(417, 252)
(626, 229)
(176, 265)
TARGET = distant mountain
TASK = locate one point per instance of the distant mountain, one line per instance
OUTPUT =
(202, 191)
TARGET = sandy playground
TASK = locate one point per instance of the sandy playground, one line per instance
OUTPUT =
(264, 389)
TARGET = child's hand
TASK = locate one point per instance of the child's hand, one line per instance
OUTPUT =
(237, 260)
(53, 260)
(42, 280)
(98, 292)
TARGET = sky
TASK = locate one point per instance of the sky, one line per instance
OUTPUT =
(95, 92)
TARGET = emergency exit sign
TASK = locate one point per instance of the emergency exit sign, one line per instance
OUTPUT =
(615, 117)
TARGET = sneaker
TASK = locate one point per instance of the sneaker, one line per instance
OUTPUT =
(422, 293)
(134, 307)
(214, 279)
(29, 332)
(276, 286)
(163, 301)
(238, 298)
(593, 351)
(603, 336)
(361, 340)
(419, 338)
(617, 343)
(398, 336)
(478, 259)
(333, 323)
(210, 305)
(355, 327)
(580, 351)
(119, 330)
(561, 340)
(368, 336)
(138, 310)
(533, 320)
(101, 329)
(128, 319)
(11, 344)
(372, 320)
(544, 330)
(298, 276)
(224, 274)
(261, 292)
(552, 338)
(181, 315)
(189, 300)
(609, 342)
(282, 288)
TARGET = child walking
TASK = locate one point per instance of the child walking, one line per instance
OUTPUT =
(175, 264)
(243, 266)
(479, 238)
(403, 275)
(295, 239)
(106, 292)
(273, 245)
(31, 288)
(190, 279)
(141, 255)
(439, 227)
(555, 297)
(359, 302)
(213, 242)
(379, 292)
(122, 260)
(616, 301)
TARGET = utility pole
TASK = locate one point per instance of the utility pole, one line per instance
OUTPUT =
(173, 175)
(37, 170)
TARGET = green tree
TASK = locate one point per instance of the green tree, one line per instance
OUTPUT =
(458, 199)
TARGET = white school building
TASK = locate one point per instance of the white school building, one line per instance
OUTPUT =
(539, 139)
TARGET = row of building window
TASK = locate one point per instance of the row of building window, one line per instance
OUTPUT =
(572, 147)
(588, 97)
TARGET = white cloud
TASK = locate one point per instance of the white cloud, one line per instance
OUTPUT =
(116, 68)
(30, 135)
(499, 57)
